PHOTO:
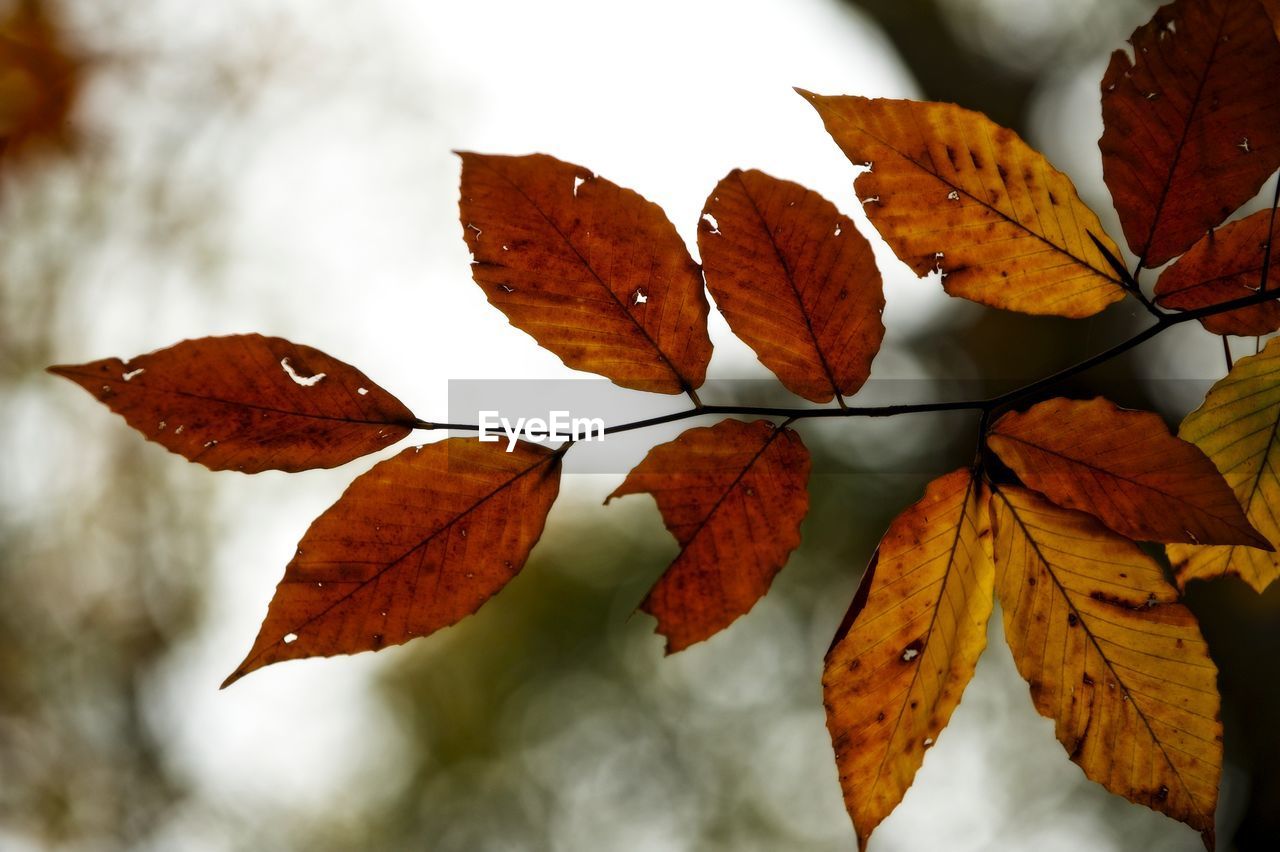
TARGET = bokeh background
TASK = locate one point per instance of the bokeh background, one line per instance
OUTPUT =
(174, 170)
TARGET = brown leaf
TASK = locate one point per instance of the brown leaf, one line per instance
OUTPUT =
(908, 649)
(248, 403)
(733, 495)
(795, 280)
(1227, 264)
(1236, 427)
(1191, 125)
(414, 545)
(1124, 467)
(591, 270)
(950, 190)
(1272, 8)
(1111, 656)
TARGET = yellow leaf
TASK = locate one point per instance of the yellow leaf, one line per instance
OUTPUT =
(1236, 428)
(909, 645)
(1111, 656)
(950, 190)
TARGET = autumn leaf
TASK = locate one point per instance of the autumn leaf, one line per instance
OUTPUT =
(1272, 8)
(795, 280)
(1237, 427)
(1110, 655)
(1227, 264)
(733, 495)
(952, 191)
(417, 543)
(909, 646)
(248, 403)
(593, 271)
(1190, 127)
(1125, 468)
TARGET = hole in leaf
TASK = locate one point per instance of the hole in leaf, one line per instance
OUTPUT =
(305, 381)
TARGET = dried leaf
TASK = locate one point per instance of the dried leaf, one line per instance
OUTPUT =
(414, 545)
(1237, 427)
(795, 280)
(950, 190)
(1191, 124)
(909, 646)
(1110, 655)
(1125, 468)
(248, 403)
(591, 270)
(733, 495)
(1227, 264)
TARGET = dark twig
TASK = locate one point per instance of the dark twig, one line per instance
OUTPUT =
(1127, 281)
(990, 404)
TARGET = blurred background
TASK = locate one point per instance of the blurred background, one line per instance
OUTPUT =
(175, 170)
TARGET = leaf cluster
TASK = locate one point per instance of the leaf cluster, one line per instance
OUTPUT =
(599, 276)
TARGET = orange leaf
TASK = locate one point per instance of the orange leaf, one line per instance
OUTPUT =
(795, 280)
(591, 270)
(733, 495)
(414, 545)
(1125, 468)
(1226, 264)
(1111, 657)
(908, 646)
(1190, 129)
(950, 190)
(248, 403)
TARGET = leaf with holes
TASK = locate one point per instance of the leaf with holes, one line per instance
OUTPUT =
(1111, 656)
(1124, 467)
(1237, 427)
(591, 270)
(1227, 264)
(951, 191)
(414, 545)
(795, 280)
(1190, 123)
(908, 646)
(733, 495)
(248, 403)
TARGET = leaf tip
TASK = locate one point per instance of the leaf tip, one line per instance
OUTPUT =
(233, 677)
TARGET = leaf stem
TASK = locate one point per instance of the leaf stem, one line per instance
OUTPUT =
(988, 405)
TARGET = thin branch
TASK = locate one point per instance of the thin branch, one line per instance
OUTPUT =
(1163, 322)
(1271, 230)
(1127, 280)
(1226, 351)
